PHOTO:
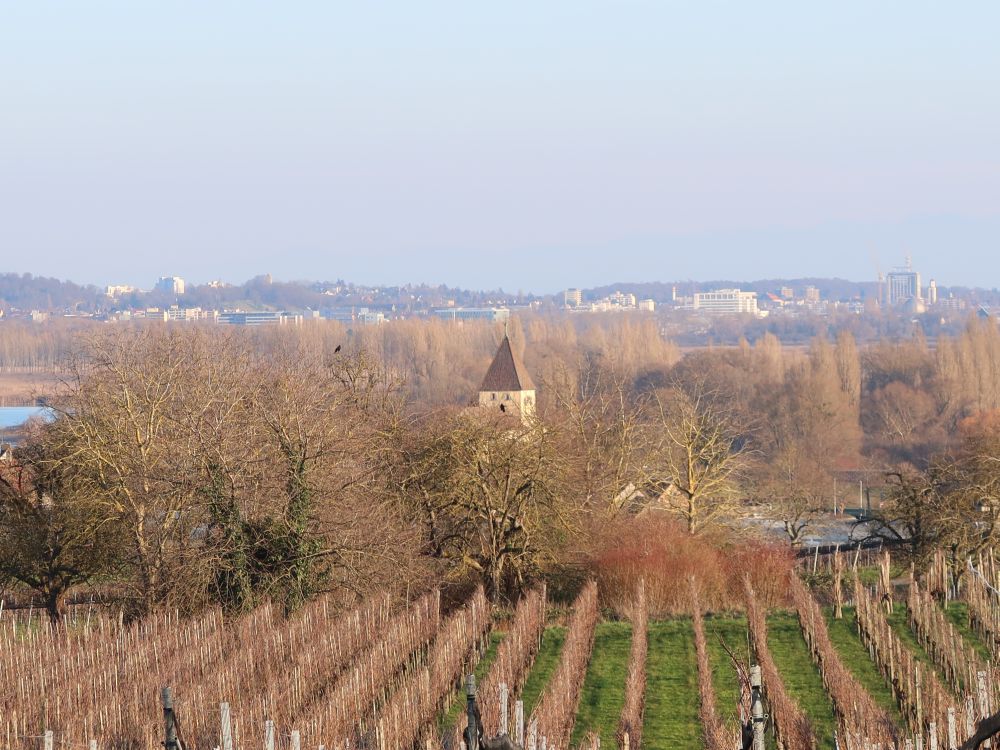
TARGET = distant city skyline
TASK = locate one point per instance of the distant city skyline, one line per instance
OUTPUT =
(525, 146)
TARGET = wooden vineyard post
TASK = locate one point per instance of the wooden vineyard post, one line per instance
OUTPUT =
(169, 725)
(226, 726)
(970, 720)
(503, 709)
(885, 582)
(952, 730)
(984, 701)
(296, 741)
(757, 707)
(533, 735)
(625, 741)
(49, 740)
(918, 702)
(519, 722)
(92, 745)
(838, 588)
(473, 728)
(932, 736)
(268, 735)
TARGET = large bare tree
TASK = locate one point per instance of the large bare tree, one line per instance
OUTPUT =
(698, 451)
(487, 492)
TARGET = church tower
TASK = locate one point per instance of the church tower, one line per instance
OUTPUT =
(507, 386)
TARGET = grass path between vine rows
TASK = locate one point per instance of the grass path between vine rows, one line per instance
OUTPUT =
(899, 620)
(671, 720)
(958, 614)
(447, 721)
(800, 675)
(845, 638)
(545, 664)
(603, 693)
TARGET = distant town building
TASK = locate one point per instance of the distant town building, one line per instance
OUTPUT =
(495, 314)
(191, 314)
(259, 318)
(932, 293)
(507, 386)
(726, 301)
(170, 285)
(362, 315)
(647, 305)
(903, 286)
(811, 295)
(573, 297)
(787, 293)
(622, 299)
(118, 290)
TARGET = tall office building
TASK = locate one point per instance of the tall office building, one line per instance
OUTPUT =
(903, 285)
(170, 285)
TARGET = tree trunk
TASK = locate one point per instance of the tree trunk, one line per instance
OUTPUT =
(55, 603)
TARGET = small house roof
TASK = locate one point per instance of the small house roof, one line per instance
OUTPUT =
(506, 372)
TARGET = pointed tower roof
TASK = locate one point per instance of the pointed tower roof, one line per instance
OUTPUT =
(506, 373)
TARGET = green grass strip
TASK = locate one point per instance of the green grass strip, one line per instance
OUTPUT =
(845, 638)
(671, 720)
(958, 613)
(604, 687)
(545, 664)
(447, 720)
(900, 622)
(733, 632)
(800, 675)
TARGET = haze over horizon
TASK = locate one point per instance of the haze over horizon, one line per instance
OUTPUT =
(525, 147)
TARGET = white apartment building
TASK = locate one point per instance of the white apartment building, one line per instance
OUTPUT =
(170, 285)
(726, 301)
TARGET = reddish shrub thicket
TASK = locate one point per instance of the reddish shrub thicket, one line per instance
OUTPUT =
(660, 551)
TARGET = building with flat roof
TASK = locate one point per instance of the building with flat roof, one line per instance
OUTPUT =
(495, 314)
(573, 297)
(259, 318)
(726, 302)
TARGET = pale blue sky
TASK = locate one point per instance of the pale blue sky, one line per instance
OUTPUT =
(530, 145)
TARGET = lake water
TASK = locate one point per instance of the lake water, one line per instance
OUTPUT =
(15, 416)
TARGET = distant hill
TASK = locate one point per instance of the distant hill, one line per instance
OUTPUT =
(27, 292)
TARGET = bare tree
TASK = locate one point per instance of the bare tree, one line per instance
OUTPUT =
(51, 539)
(487, 492)
(698, 451)
(601, 429)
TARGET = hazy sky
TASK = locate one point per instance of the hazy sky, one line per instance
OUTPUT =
(528, 145)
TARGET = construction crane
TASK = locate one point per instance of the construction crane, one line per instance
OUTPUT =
(878, 273)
